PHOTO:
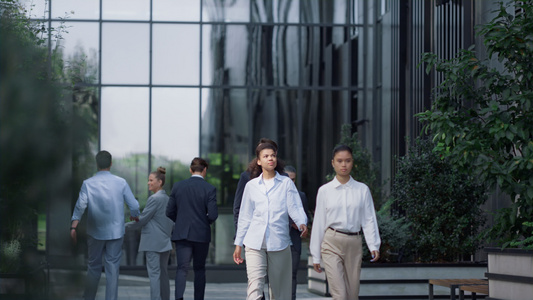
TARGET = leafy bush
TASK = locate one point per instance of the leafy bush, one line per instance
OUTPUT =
(441, 204)
(395, 236)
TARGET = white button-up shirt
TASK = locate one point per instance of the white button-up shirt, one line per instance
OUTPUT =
(104, 195)
(264, 214)
(346, 207)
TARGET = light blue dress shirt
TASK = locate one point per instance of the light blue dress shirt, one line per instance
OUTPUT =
(103, 195)
(264, 214)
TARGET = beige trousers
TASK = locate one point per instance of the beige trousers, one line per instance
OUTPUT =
(341, 258)
(278, 266)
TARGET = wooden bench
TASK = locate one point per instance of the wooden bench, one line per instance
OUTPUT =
(474, 289)
(454, 284)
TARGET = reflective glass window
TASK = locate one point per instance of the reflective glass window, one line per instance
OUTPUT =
(126, 10)
(225, 52)
(276, 11)
(274, 53)
(79, 46)
(175, 135)
(125, 53)
(175, 124)
(226, 11)
(36, 9)
(326, 54)
(124, 133)
(76, 9)
(225, 139)
(176, 55)
(176, 10)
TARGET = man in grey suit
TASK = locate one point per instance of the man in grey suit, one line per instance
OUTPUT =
(193, 208)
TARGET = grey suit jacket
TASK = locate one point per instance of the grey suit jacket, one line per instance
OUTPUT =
(156, 227)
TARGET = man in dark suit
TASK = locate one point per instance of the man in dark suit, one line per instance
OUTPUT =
(193, 207)
(294, 232)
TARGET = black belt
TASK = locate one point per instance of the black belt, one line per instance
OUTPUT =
(347, 233)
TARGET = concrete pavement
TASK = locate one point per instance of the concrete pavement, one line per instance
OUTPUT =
(137, 288)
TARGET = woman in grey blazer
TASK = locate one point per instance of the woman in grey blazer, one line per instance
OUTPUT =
(155, 236)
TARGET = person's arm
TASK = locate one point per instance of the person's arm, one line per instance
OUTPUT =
(131, 202)
(294, 206)
(172, 205)
(79, 209)
(370, 227)
(212, 209)
(148, 212)
(245, 217)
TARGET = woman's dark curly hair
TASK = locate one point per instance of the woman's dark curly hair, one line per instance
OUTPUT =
(256, 169)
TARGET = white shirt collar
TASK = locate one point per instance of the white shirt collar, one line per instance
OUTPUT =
(337, 183)
(262, 180)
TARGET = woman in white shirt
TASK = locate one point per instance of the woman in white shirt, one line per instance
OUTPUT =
(344, 210)
(263, 226)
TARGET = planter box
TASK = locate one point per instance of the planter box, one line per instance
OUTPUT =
(401, 280)
(510, 273)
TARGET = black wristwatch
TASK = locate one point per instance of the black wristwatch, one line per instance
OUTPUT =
(72, 228)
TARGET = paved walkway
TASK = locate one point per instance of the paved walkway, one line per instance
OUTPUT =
(137, 288)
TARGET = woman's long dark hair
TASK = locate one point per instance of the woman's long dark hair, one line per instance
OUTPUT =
(254, 169)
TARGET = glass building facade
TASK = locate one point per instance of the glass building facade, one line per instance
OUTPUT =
(163, 81)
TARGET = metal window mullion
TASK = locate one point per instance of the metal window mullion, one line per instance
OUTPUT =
(100, 24)
(150, 87)
(200, 88)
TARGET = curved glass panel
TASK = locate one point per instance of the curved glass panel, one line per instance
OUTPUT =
(276, 11)
(274, 56)
(326, 56)
(225, 52)
(176, 10)
(332, 11)
(176, 55)
(126, 10)
(125, 53)
(226, 11)
(76, 9)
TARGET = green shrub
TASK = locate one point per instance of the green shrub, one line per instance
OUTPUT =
(441, 204)
(395, 236)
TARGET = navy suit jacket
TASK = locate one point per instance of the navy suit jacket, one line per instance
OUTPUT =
(192, 206)
(295, 233)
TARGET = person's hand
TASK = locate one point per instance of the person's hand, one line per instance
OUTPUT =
(237, 255)
(317, 268)
(375, 256)
(73, 236)
(303, 230)
(136, 219)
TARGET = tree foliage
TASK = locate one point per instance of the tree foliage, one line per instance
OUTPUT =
(482, 115)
